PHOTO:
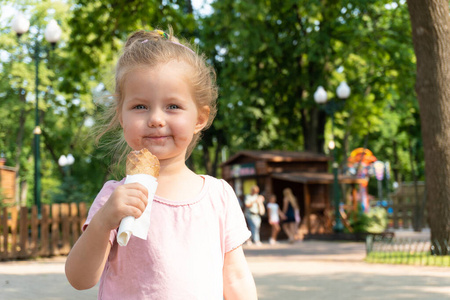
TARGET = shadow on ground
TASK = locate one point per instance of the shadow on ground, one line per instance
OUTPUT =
(317, 248)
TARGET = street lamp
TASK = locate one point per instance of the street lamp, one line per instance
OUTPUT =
(321, 97)
(66, 162)
(52, 34)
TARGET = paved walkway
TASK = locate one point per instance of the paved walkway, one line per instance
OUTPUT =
(306, 270)
(327, 270)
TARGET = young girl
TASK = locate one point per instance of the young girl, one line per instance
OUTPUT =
(164, 97)
(292, 212)
(275, 214)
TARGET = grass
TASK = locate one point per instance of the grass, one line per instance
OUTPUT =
(409, 258)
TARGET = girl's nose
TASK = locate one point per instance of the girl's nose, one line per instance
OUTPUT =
(156, 119)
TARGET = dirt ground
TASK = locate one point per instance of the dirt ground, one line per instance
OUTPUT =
(305, 270)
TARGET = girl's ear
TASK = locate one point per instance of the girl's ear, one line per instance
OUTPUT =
(202, 119)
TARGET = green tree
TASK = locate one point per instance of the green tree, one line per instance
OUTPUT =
(72, 78)
(272, 55)
(18, 94)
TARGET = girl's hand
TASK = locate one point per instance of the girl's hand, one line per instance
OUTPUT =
(126, 200)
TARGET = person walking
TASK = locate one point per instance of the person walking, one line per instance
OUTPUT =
(254, 209)
(275, 214)
(292, 212)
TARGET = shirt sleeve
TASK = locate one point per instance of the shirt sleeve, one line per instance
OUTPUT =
(100, 200)
(247, 199)
(236, 231)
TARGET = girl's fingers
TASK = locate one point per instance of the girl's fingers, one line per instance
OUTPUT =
(139, 203)
(134, 211)
(128, 200)
(137, 194)
(137, 186)
(134, 190)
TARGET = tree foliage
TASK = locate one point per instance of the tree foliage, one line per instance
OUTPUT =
(73, 77)
(270, 56)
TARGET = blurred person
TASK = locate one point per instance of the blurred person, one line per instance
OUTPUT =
(254, 209)
(291, 211)
(275, 214)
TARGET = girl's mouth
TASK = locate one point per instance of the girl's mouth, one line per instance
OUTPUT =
(156, 137)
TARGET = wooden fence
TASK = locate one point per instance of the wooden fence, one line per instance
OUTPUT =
(407, 208)
(24, 234)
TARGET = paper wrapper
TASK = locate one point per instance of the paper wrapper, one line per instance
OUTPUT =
(142, 167)
(138, 227)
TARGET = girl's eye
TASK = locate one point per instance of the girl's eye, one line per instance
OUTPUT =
(140, 106)
(173, 106)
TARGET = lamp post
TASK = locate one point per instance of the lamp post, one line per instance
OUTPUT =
(52, 34)
(321, 97)
(65, 162)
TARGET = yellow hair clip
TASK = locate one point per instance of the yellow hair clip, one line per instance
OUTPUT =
(162, 33)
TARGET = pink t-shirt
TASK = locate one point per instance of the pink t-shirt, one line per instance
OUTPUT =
(183, 255)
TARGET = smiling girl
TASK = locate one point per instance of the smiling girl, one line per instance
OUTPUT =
(165, 96)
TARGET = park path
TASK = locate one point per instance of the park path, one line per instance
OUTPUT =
(305, 270)
(336, 270)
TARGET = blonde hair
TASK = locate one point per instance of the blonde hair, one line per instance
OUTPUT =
(254, 189)
(287, 192)
(149, 49)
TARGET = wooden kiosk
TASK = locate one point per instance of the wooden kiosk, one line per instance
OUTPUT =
(306, 173)
(7, 184)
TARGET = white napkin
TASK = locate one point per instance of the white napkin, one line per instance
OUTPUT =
(138, 227)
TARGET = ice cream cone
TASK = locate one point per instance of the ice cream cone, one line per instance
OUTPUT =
(142, 162)
(141, 167)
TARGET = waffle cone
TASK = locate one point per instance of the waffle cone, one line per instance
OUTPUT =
(142, 162)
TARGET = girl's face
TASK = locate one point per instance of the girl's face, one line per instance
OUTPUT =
(159, 112)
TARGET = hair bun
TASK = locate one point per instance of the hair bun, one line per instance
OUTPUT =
(153, 35)
(137, 36)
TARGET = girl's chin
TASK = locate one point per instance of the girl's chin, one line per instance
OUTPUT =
(166, 156)
(162, 152)
(158, 151)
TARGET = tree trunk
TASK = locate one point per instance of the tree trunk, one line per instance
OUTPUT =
(430, 22)
(396, 163)
(188, 7)
(313, 128)
(417, 211)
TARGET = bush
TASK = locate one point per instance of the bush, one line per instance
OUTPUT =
(375, 221)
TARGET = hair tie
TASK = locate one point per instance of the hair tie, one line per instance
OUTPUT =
(166, 36)
(176, 43)
(162, 33)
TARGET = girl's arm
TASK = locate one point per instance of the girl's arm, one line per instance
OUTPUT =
(281, 214)
(285, 205)
(238, 281)
(87, 259)
(249, 203)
